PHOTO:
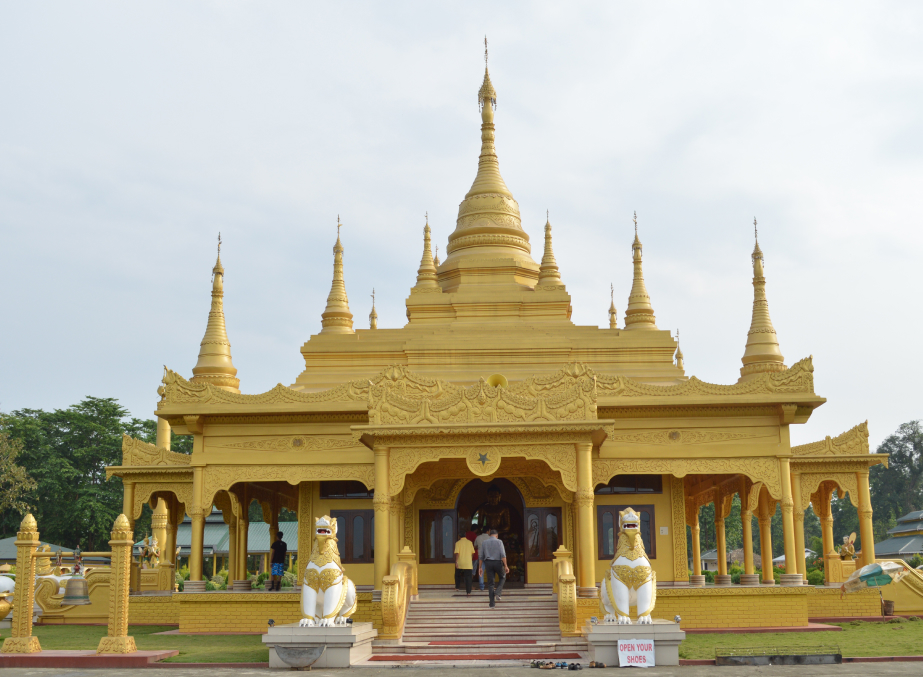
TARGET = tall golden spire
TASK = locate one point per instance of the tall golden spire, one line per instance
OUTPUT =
(613, 313)
(762, 353)
(548, 273)
(214, 365)
(426, 274)
(336, 318)
(488, 245)
(679, 353)
(373, 316)
(640, 313)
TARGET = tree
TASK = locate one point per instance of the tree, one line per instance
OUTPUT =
(15, 483)
(66, 452)
(898, 489)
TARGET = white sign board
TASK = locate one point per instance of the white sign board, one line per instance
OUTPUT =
(636, 653)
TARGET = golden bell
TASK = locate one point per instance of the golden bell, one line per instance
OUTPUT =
(75, 591)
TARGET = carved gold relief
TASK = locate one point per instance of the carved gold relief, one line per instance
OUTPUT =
(135, 453)
(223, 477)
(678, 505)
(854, 442)
(291, 443)
(764, 470)
(684, 436)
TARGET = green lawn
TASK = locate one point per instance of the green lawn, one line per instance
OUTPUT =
(192, 648)
(857, 639)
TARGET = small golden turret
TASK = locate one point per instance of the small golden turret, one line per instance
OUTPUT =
(436, 257)
(373, 316)
(336, 318)
(762, 354)
(613, 313)
(679, 353)
(426, 274)
(548, 274)
(214, 365)
(640, 313)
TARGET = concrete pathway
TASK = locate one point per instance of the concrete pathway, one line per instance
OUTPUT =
(865, 669)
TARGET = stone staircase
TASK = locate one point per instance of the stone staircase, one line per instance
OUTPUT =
(443, 625)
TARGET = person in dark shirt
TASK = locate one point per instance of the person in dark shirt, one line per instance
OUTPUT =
(277, 561)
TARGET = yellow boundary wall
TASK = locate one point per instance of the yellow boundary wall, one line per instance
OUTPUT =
(153, 610)
(251, 611)
(826, 603)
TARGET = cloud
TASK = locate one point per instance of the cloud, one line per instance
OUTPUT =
(133, 133)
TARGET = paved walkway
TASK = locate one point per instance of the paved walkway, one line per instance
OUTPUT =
(865, 669)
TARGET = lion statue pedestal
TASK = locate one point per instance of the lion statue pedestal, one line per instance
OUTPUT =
(631, 582)
(323, 638)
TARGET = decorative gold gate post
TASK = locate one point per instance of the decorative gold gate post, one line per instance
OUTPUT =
(26, 542)
(696, 544)
(118, 640)
(128, 502)
(586, 558)
(721, 514)
(865, 518)
(382, 503)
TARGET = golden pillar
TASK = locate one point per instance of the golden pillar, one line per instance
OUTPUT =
(865, 518)
(788, 524)
(720, 538)
(232, 550)
(243, 533)
(696, 545)
(159, 527)
(197, 514)
(746, 519)
(117, 640)
(586, 558)
(163, 433)
(382, 505)
(798, 520)
(397, 518)
(26, 542)
(765, 511)
(305, 526)
(128, 502)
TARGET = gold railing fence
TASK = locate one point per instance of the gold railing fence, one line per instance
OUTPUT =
(397, 590)
(564, 584)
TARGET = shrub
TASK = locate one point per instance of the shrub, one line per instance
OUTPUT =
(897, 619)
(709, 576)
(262, 578)
(179, 579)
(735, 577)
(184, 572)
(210, 586)
(735, 568)
(815, 577)
(915, 561)
(913, 618)
(219, 581)
(289, 579)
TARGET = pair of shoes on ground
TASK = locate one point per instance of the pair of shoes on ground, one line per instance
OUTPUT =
(597, 664)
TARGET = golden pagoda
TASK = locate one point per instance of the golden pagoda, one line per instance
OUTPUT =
(400, 432)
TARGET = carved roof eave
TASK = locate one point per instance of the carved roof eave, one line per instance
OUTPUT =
(864, 459)
(174, 472)
(177, 411)
(594, 431)
(805, 400)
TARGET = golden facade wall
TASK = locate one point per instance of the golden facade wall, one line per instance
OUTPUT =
(249, 612)
(153, 610)
(827, 603)
(735, 607)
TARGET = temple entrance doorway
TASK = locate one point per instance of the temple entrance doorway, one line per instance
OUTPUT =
(497, 504)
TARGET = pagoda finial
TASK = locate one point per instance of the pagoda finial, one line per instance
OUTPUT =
(548, 273)
(426, 273)
(214, 365)
(436, 257)
(373, 316)
(337, 318)
(639, 314)
(613, 313)
(762, 353)
(679, 353)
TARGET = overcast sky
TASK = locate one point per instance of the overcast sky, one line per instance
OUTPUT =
(131, 133)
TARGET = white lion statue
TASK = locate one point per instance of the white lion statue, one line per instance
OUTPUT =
(631, 580)
(328, 597)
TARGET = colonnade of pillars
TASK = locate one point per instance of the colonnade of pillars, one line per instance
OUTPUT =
(792, 527)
